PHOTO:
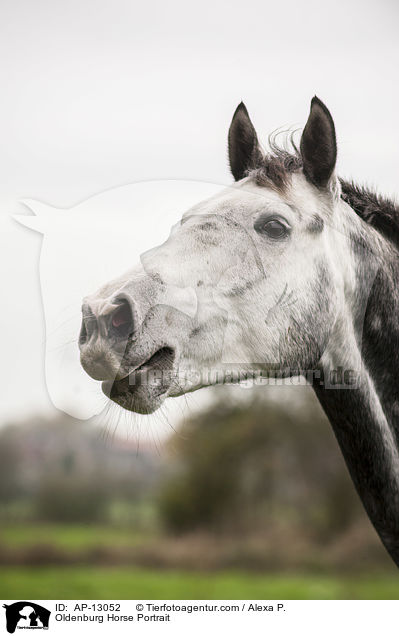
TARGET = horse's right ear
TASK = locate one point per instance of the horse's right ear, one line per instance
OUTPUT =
(244, 150)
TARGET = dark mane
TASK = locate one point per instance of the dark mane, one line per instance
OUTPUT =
(376, 210)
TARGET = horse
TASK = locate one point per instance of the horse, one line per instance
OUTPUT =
(290, 271)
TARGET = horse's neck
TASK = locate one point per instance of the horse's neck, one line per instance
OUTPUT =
(370, 451)
(380, 343)
(365, 419)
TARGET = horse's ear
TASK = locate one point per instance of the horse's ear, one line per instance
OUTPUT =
(319, 145)
(244, 150)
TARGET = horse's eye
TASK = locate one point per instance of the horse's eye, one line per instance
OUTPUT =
(274, 228)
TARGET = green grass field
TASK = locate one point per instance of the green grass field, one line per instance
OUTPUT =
(119, 583)
(126, 582)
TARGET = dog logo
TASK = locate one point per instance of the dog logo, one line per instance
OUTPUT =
(26, 615)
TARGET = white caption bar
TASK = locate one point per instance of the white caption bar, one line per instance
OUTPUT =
(176, 617)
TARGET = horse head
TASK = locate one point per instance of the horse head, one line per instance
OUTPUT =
(251, 279)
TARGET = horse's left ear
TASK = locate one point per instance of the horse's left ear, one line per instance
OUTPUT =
(244, 149)
(319, 145)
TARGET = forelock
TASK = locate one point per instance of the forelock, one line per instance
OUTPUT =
(278, 164)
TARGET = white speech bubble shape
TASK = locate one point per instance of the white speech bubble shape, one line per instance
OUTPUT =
(84, 247)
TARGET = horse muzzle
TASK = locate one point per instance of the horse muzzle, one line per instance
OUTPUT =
(136, 365)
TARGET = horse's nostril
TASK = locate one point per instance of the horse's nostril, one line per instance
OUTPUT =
(122, 320)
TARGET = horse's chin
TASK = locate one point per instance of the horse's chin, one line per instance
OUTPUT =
(146, 387)
(137, 400)
(144, 399)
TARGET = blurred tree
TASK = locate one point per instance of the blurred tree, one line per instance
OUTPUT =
(241, 466)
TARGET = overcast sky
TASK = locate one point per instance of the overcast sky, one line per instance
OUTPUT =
(97, 94)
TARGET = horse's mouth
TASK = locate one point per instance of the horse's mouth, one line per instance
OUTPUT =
(143, 389)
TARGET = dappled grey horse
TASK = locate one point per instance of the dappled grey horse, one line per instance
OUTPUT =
(291, 271)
